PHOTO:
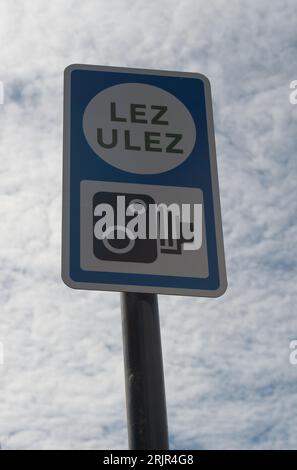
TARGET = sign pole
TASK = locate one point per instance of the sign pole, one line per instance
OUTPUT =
(144, 376)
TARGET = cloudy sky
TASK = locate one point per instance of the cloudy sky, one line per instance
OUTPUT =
(228, 377)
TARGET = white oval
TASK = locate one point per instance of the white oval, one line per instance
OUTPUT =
(155, 148)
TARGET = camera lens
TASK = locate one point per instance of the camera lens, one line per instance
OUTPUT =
(118, 249)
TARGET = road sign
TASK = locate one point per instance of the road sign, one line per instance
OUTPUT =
(141, 208)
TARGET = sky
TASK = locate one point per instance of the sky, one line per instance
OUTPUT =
(229, 382)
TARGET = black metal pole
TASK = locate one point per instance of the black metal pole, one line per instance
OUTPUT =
(144, 376)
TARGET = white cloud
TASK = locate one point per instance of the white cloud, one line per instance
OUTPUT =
(228, 377)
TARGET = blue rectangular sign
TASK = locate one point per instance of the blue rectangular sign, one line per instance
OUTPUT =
(141, 209)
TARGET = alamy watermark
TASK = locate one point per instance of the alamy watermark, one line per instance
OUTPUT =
(293, 353)
(293, 94)
(1, 92)
(1, 353)
(137, 220)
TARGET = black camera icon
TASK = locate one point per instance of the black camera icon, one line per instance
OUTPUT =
(118, 244)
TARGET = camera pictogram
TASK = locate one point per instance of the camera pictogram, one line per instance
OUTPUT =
(118, 243)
